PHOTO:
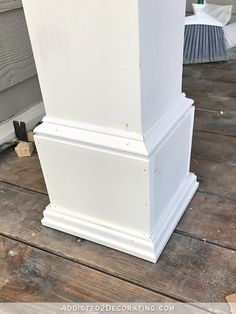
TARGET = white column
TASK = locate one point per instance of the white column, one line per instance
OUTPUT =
(115, 144)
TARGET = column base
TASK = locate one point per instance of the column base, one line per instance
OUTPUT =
(127, 193)
(147, 248)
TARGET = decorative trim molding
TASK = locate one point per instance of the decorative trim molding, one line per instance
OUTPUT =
(114, 140)
(173, 213)
(163, 127)
(148, 248)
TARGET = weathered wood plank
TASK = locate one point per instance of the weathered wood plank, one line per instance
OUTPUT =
(214, 147)
(212, 219)
(212, 72)
(188, 269)
(16, 57)
(207, 86)
(24, 172)
(220, 66)
(213, 102)
(215, 122)
(233, 50)
(19, 98)
(7, 5)
(214, 113)
(31, 275)
(215, 177)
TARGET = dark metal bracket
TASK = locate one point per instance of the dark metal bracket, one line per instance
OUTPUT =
(20, 130)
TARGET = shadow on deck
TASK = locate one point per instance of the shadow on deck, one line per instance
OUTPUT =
(199, 263)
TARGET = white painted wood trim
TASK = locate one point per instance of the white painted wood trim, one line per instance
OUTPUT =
(146, 247)
(115, 145)
(173, 213)
(115, 140)
(31, 117)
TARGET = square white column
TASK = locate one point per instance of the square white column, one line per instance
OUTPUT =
(116, 142)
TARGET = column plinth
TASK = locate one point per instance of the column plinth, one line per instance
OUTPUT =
(115, 144)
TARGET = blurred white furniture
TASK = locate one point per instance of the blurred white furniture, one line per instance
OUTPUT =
(115, 144)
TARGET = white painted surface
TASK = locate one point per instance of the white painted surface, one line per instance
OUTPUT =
(94, 66)
(101, 186)
(31, 117)
(125, 193)
(115, 145)
(148, 247)
(161, 34)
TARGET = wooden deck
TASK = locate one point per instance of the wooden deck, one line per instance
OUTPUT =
(199, 262)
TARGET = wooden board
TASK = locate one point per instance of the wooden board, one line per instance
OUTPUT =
(233, 50)
(212, 72)
(214, 103)
(212, 219)
(24, 172)
(206, 86)
(16, 57)
(188, 269)
(198, 264)
(215, 122)
(214, 112)
(214, 177)
(31, 275)
(215, 147)
(7, 5)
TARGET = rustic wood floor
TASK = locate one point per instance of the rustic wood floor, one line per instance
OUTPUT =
(199, 262)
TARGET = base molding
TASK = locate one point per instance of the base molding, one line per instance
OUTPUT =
(122, 192)
(148, 247)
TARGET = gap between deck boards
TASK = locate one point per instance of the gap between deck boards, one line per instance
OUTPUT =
(198, 263)
(118, 264)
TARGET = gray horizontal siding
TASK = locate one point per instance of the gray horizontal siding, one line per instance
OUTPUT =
(16, 57)
(19, 98)
(7, 5)
(19, 86)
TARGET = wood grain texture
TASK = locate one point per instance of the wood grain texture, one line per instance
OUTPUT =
(19, 98)
(212, 72)
(214, 103)
(214, 121)
(31, 275)
(226, 89)
(16, 57)
(215, 111)
(233, 50)
(215, 147)
(212, 219)
(7, 5)
(199, 262)
(24, 172)
(215, 177)
(209, 271)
